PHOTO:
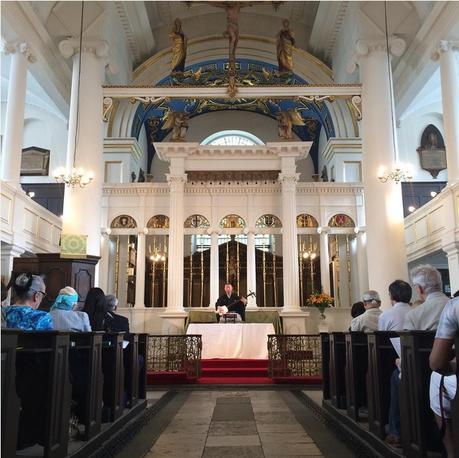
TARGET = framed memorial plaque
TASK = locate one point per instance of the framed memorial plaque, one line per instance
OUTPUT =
(35, 161)
(432, 153)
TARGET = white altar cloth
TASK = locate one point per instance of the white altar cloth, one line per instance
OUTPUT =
(233, 340)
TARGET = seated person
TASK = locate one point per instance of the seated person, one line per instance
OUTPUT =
(444, 379)
(29, 290)
(65, 318)
(115, 322)
(231, 302)
(368, 321)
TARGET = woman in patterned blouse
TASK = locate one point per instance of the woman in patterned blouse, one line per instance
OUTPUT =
(29, 291)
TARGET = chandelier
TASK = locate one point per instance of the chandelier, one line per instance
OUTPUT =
(399, 173)
(307, 253)
(157, 254)
(76, 176)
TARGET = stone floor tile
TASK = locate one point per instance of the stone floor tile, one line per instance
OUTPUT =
(231, 428)
(284, 449)
(268, 438)
(279, 427)
(233, 452)
(233, 441)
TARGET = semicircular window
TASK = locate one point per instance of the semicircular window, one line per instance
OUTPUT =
(233, 138)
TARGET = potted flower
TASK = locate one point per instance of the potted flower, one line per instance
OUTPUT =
(320, 301)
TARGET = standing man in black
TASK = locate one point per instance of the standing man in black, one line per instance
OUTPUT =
(232, 301)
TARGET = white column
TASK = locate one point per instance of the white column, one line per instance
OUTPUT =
(111, 267)
(290, 242)
(82, 214)
(175, 272)
(355, 289)
(383, 201)
(121, 294)
(344, 290)
(214, 274)
(452, 253)
(362, 264)
(450, 99)
(324, 262)
(104, 262)
(140, 271)
(251, 269)
(15, 106)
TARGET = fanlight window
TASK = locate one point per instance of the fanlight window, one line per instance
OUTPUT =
(123, 222)
(232, 137)
(305, 220)
(341, 220)
(196, 221)
(232, 222)
(158, 222)
(268, 221)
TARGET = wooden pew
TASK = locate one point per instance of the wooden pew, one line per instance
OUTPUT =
(419, 432)
(325, 341)
(87, 379)
(131, 369)
(381, 365)
(42, 371)
(113, 369)
(10, 401)
(337, 369)
(356, 372)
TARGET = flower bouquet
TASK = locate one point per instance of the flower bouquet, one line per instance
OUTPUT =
(321, 301)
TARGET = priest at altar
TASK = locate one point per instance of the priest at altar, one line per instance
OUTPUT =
(230, 302)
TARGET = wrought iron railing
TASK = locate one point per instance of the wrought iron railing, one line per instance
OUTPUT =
(181, 353)
(294, 355)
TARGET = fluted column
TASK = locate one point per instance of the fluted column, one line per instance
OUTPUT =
(82, 214)
(21, 55)
(383, 201)
(362, 263)
(290, 242)
(140, 271)
(251, 269)
(175, 260)
(214, 266)
(446, 54)
(324, 261)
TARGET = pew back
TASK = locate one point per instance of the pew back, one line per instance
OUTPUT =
(325, 341)
(336, 370)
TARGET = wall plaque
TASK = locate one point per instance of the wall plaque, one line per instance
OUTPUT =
(432, 153)
(35, 161)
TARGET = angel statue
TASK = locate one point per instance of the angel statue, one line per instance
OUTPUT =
(178, 122)
(285, 44)
(286, 120)
(179, 45)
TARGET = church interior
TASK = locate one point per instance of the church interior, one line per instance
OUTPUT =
(230, 228)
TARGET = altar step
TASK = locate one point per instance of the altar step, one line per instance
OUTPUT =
(229, 371)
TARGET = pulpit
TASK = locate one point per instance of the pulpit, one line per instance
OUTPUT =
(60, 272)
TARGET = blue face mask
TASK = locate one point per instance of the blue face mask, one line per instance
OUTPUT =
(65, 302)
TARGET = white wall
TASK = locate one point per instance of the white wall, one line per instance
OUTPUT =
(409, 135)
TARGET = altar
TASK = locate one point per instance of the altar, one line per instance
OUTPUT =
(233, 340)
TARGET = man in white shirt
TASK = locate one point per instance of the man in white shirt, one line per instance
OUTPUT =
(393, 320)
(368, 321)
(427, 282)
(442, 361)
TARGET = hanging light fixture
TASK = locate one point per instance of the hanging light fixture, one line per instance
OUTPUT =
(401, 172)
(77, 176)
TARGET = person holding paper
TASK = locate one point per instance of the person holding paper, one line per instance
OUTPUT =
(393, 320)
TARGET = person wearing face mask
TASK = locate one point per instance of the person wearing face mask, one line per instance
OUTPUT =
(28, 290)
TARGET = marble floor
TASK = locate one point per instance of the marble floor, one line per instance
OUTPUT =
(245, 423)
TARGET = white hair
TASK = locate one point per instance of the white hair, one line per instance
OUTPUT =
(427, 277)
(112, 302)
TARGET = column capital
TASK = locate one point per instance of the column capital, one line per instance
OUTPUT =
(364, 48)
(20, 47)
(173, 179)
(288, 180)
(444, 46)
(100, 48)
(214, 230)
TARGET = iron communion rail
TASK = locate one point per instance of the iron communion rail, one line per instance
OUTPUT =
(175, 353)
(295, 355)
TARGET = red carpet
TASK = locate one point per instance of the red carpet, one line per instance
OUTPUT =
(229, 372)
